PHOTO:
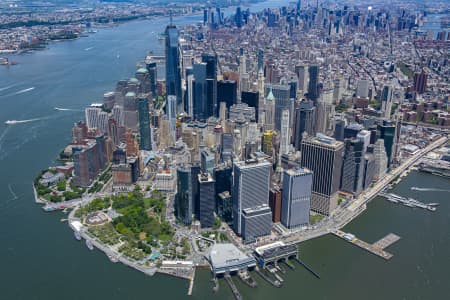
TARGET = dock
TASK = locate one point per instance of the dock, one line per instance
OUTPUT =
(275, 283)
(191, 283)
(377, 248)
(236, 293)
(307, 267)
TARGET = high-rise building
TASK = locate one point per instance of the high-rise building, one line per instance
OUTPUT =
(313, 86)
(270, 112)
(130, 114)
(256, 222)
(252, 100)
(184, 201)
(304, 121)
(302, 75)
(207, 162)
(227, 92)
(387, 132)
(283, 102)
(211, 83)
(362, 88)
(207, 199)
(200, 92)
(275, 203)
(285, 136)
(79, 132)
(386, 101)
(296, 195)
(323, 156)
(352, 166)
(225, 206)
(420, 82)
(251, 182)
(145, 140)
(173, 72)
(152, 69)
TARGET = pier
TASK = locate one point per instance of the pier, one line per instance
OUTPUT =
(377, 248)
(275, 283)
(191, 283)
(233, 287)
(307, 267)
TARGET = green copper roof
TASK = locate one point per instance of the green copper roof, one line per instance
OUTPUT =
(133, 80)
(142, 70)
(130, 94)
(270, 96)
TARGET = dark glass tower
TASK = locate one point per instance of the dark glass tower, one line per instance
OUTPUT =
(211, 83)
(144, 124)
(313, 87)
(173, 76)
(305, 116)
(227, 92)
(252, 99)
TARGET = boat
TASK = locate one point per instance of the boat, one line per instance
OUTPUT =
(392, 200)
(89, 245)
(77, 235)
(113, 258)
(11, 122)
(433, 204)
(431, 208)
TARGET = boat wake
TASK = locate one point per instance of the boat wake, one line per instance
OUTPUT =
(415, 188)
(90, 48)
(24, 91)
(7, 87)
(13, 122)
(66, 109)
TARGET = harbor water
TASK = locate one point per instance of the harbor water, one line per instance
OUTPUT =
(40, 259)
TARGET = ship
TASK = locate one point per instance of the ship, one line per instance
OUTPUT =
(113, 258)
(11, 122)
(77, 235)
(89, 245)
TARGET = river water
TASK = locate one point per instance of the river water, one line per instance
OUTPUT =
(40, 259)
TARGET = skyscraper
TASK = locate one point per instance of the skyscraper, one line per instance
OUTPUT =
(352, 166)
(304, 121)
(387, 132)
(173, 75)
(252, 99)
(227, 92)
(362, 88)
(207, 199)
(251, 182)
(283, 102)
(200, 92)
(152, 69)
(211, 83)
(420, 82)
(284, 134)
(145, 141)
(296, 197)
(313, 86)
(184, 201)
(323, 156)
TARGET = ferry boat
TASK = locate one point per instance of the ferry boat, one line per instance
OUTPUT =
(89, 245)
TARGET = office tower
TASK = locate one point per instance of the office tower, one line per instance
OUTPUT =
(261, 84)
(207, 162)
(189, 99)
(79, 132)
(339, 127)
(195, 171)
(420, 82)
(152, 69)
(251, 182)
(88, 161)
(362, 88)
(223, 176)
(113, 131)
(131, 144)
(184, 201)
(252, 100)
(293, 89)
(387, 132)
(381, 159)
(109, 100)
(284, 134)
(227, 92)
(352, 130)
(200, 92)
(305, 115)
(296, 195)
(270, 112)
(275, 203)
(323, 156)
(282, 102)
(352, 166)
(119, 156)
(369, 168)
(223, 112)
(225, 206)
(173, 72)
(386, 101)
(256, 222)
(267, 142)
(144, 80)
(227, 146)
(260, 59)
(130, 114)
(302, 75)
(237, 111)
(171, 102)
(211, 83)
(313, 86)
(238, 17)
(96, 118)
(145, 140)
(207, 199)
(117, 114)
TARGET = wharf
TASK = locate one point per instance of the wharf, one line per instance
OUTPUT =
(233, 287)
(191, 283)
(377, 248)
